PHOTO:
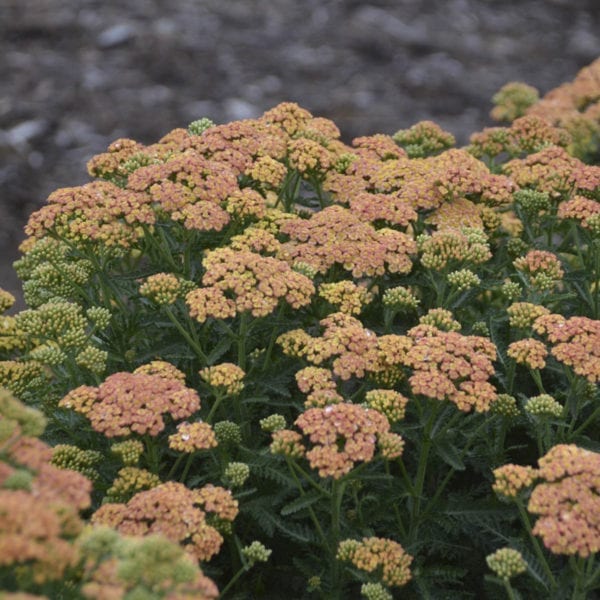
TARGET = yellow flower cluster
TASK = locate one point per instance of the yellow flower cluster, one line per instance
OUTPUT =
(529, 352)
(191, 437)
(346, 296)
(226, 378)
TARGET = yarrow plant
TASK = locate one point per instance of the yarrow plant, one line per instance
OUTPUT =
(258, 361)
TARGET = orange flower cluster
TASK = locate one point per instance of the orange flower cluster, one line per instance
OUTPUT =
(529, 352)
(576, 342)
(191, 437)
(581, 209)
(257, 284)
(568, 500)
(127, 403)
(378, 554)
(176, 512)
(337, 236)
(98, 211)
(320, 386)
(387, 208)
(342, 434)
(451, 366)
(227, 378)
(509, 480)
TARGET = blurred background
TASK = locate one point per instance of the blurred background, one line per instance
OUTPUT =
(77, 74)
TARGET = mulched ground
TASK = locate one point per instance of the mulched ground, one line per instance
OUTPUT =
(76, 74)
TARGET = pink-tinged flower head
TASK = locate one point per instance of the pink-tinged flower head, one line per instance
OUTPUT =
(580, 209)
(191, 437)
(511, 479)
(176, 512)
(129, 403)
(389, 208)
(341, 434)
(575, 342)
(542, 267)
(568, 501)
(336, 236)
(378, 554)
(319, 386)
(451, 366)
(225, 377)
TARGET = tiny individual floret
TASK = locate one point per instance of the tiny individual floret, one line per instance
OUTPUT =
(199, 126)
(511, 479)
(378, 554)
(505, 405)
(236, 474)
(400, 299)
(529, 352)
(130, 481)
(226, 378)
(256, 552)
(512, 101)
(287, 443)
(129, 451)
(544, 405)
(272, 423)
(227, 433)
(463, 279)
(388, 402)
(191, 437)
(506, 563)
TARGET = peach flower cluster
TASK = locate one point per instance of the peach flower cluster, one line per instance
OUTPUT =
(227, 378)
(127, 403)
(575, 342)
(451, 366)
(342, 435)
(529, 352)
(239, 281)
(176, 512)
(191, 437)
(568, 500)
(378, 554)
(319, 385)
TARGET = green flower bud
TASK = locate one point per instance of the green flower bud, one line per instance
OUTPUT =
(236, 474)
(544, 405)
(375, 591)
(99, 316)
(463, 279)
(274, 422)
(505, 405)
(256, 552)
(227, 433)
(18, 480)
(199, 126)
(506, 563)
(400, 299)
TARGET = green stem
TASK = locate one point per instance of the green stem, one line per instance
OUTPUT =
(232, 581)
(213, 408)
(509, 591)
(186, 469)
(241, 339)
(175, 466)
(537, 378)
(399, 521)
(185, 334)
(536, 545)
(337, 494)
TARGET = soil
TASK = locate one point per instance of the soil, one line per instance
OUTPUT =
(77, 74)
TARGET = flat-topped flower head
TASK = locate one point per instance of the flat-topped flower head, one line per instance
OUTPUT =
(581, 209)
(191, 437)
(424, 138)
(287, 443)
(453, 247)
(164, 288)
(451, 366)
(176, 512)
(225, 378)
(542, 268)
(319, 385)
(544, 405)
(127, 403)
(529, 352)
(510, 479)
(335, 235)
(512, 100)
(441, 319)
(130, 481)
(381, 208)
(567, 501)
(390, 403)
(341, 435)
(163, 369)
(346, 296)
(575, 342)
(524, 314)
(381, 555)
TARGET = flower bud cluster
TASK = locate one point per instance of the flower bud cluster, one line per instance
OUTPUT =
(506, 563)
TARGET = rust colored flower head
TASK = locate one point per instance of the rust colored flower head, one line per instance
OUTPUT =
(575, 342)
(225, 378)
(380, 555)
(387, 208)
(509, 480)
(172, 510)
(568, 501)
(448, 365)
(267, 171)
(289, 116)
(341, 434)
(191, 437)
(246, 204)
(336, 236)
(529, 352)
(129, 403)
